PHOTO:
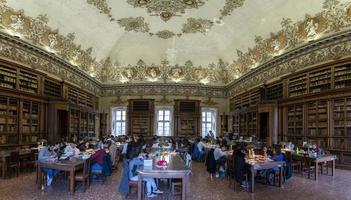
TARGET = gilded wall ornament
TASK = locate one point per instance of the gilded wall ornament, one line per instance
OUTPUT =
(135, 24)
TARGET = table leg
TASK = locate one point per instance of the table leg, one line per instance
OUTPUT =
(4, 169)
(316, 171)
(40, 177)
(139, 186)
(185, 187)
(252, 180)
(333, 170)
(71, 185)
(281, 176)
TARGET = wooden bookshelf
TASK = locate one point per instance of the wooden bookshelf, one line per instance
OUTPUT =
(30, 122)
(320, 80)
(187, 116)
(52, 88)
(28, 82)
(81, 123)
(274, 92)
(8, 120)
(342, 124)
(297, 85)
(103, 124)
(8, 77)
(80, 98)
(141, 116)
(342, 76)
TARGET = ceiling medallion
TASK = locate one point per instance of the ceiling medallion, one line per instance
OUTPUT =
(166, 9)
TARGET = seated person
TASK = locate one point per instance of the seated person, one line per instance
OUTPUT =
(71, 150)
(267, 152)
(98, 160)
(220, 156)
(199, 149)
(290, 145)
(44, 154)
(239, 165)
(135, 162)
(134, 146)
(278, 156)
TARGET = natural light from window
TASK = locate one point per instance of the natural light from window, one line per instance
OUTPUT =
(208, 121)
(164, 122)
(119, 121)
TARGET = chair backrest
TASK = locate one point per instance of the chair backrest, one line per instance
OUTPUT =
(86, 168)
(306, 161)
(288, 155)
(14, 157)
(187, 159)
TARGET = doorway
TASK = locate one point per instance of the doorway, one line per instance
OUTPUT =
(62, 124)
(264, 127)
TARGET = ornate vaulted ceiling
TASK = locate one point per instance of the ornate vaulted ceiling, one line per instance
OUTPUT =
(192, 41)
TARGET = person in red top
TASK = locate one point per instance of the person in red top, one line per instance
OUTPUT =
(98, 159)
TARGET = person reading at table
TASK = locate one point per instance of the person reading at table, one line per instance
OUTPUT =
(290, 145)
(278, 156)
(45, 154)
(239, 165)
(98, 160)
(220, 156)
(134, 146)
(136, 162)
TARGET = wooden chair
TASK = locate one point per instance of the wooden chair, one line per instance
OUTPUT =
(307, 166)
(293, 164)
(176, 184)
(98, 173)
(13, 162)
(84, 176)
(29, 162)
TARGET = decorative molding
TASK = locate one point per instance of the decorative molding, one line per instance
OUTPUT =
(209, 102)
(164, 90)
(164, 100)
(119, 101)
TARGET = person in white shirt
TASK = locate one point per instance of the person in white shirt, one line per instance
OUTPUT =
(220, 155)
(290, 145)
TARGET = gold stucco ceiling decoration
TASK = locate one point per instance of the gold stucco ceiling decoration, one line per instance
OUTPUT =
(166, 9)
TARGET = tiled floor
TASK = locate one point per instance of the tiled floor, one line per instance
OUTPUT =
(336, 188)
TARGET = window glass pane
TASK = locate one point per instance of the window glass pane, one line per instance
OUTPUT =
(160, 115)
(118, 115)
(124, 115)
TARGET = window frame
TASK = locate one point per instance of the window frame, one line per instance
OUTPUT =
(158, 120)
(122, 121)
(212, 122)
